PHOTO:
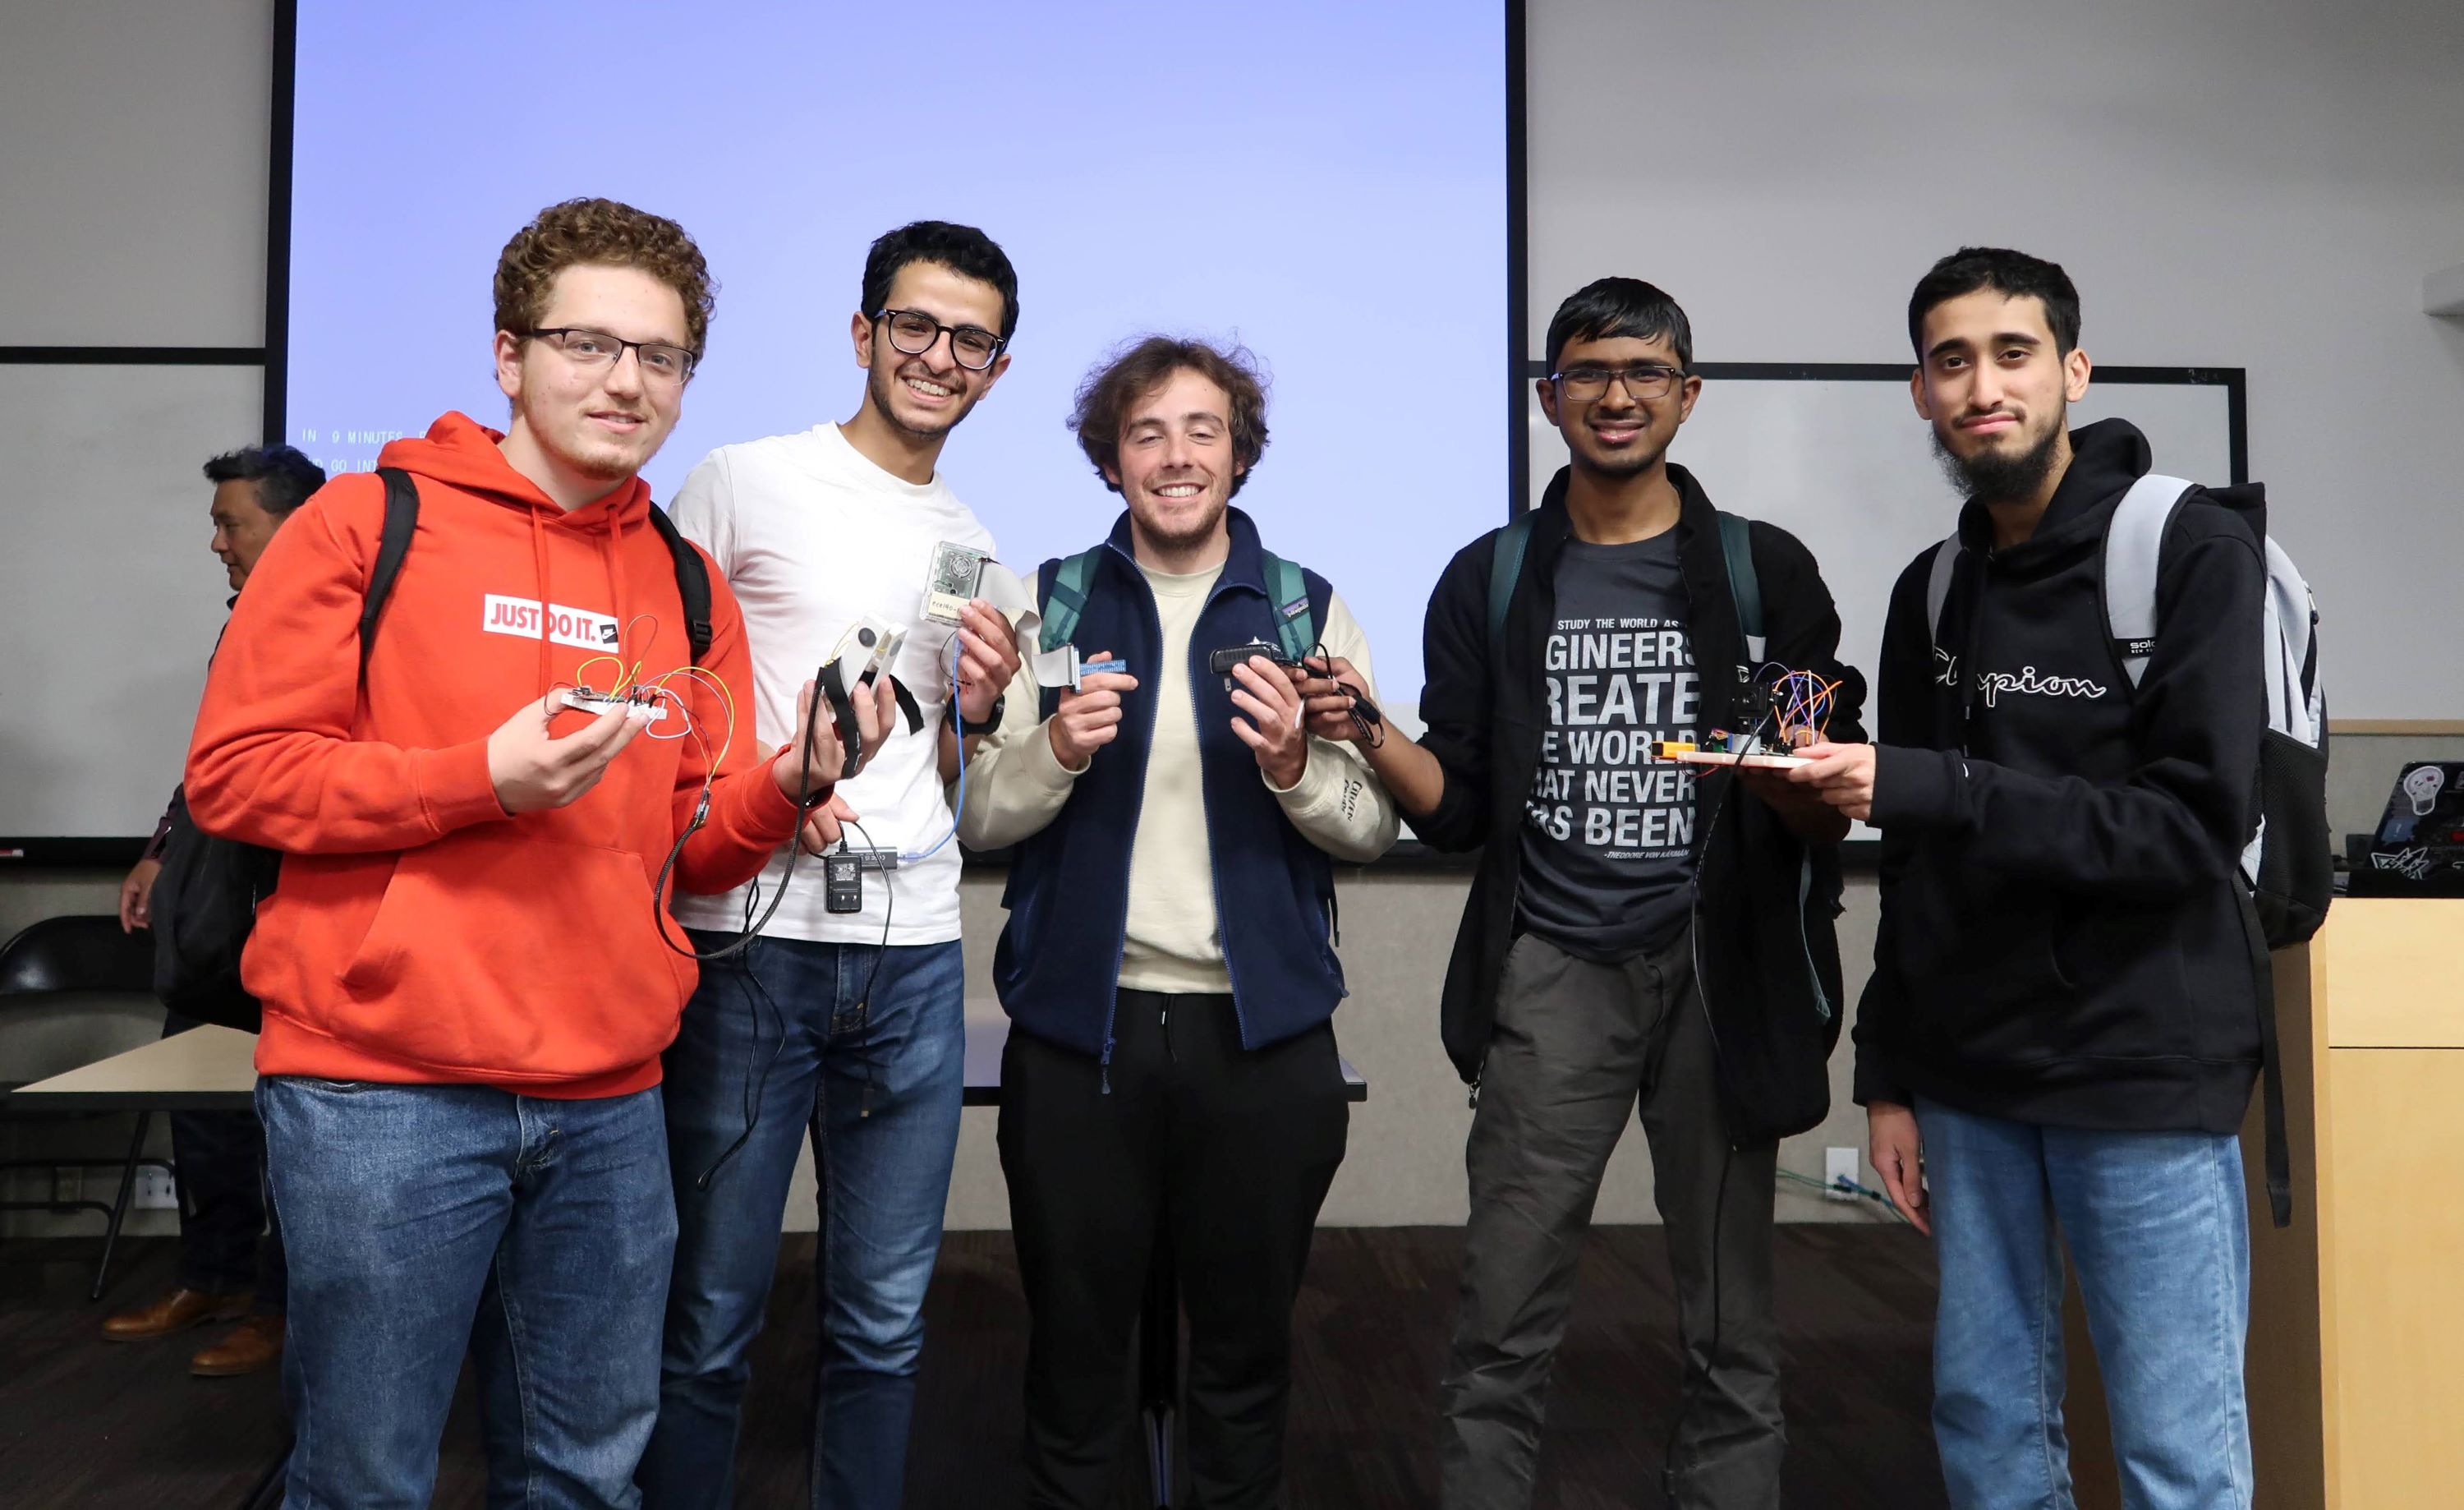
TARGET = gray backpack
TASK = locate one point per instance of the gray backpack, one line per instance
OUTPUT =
(2290, 861)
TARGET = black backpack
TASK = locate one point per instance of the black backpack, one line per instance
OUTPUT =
(204, 899)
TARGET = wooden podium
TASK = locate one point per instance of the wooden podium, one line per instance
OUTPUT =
(2356, 1327)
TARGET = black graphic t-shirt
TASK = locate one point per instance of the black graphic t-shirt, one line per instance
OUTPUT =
(1607, 846)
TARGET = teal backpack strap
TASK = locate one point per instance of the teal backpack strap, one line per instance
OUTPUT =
(1737, 546)
(1505, 567)
(1287, 593)
(1065, 596)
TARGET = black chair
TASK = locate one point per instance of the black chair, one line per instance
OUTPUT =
(78, 954)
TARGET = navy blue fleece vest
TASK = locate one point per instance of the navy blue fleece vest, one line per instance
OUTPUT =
(1058, 965)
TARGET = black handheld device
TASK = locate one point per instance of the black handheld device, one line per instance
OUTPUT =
(842, 882)
(1222, 661)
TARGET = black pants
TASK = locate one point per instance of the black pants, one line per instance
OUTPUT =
(1222, 1154)
(219, 1160)
(1577, 1046)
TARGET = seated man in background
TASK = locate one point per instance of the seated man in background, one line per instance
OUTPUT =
(226, 1272)
(466, 972)
(1171, 1075)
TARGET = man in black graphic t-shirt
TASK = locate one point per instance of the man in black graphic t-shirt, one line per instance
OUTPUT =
(1607, 863)
(1634, 936)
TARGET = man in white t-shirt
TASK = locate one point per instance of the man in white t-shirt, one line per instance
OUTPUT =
(848, 1023)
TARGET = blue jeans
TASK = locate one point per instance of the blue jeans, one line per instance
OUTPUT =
(2159, 1226)
(785, 1028)
(424, 1221)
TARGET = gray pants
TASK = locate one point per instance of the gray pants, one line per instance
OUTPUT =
(1576, 1044)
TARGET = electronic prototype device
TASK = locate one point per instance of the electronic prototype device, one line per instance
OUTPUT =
(872, 645)
(1222, 661)
(1753, 759)
(957, 576)
(1776, 717)
(1365, 716)
(647, 704)
(863, 655)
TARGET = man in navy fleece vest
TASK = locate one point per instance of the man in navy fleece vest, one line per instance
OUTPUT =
(1171, 1075)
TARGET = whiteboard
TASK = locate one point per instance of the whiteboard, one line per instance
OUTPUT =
(109, 598)
(1846, 466)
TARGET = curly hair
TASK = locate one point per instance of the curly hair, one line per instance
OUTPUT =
(1141, 367)
(601, 233)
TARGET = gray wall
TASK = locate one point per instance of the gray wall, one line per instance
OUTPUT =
(132, 193)
(2259, 184)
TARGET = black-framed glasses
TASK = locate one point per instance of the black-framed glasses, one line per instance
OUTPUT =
(1644, 380)
(660, 362)
(913, 332)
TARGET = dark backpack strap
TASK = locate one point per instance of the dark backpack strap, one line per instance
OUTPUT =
(1288, 595)
(908, 707)
(1939, 578)
(692, 582)
(2270, 1066)
(1745, 584)
(1504, 569)
(401, 522)
(1062, 586)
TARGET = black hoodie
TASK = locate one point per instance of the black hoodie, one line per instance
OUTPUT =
(2062, 936)
(1765, 955)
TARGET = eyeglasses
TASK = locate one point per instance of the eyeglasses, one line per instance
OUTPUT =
(1644, 381)
(660, 362)
(913, 332)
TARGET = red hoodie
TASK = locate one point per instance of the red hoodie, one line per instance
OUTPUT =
(419, 933)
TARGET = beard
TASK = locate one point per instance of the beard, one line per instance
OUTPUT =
(883, 386)
(1195, 532)
(599, 458)
(1998, 476)
(1620, 467)
(570, 440)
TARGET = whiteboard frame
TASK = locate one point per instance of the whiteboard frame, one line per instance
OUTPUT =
(2234, 381)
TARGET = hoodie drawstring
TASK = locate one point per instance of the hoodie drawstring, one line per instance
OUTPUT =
(611, 558)
(611, 544)
(539, 571)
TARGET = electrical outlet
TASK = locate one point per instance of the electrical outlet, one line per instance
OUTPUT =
(155, 1191)
(1838, 1164)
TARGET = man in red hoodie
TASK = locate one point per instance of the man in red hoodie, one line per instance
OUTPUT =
(466, 976)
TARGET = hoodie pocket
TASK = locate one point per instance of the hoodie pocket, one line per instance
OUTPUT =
(2130, 998)
(1983, 965)
(513, 955)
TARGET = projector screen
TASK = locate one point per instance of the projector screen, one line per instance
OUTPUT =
(1323, 184)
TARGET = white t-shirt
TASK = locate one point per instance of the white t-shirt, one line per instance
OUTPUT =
(813, 536)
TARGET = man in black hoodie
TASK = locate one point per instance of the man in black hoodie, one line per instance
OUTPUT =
(1635, 938)
(2062, 1027)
